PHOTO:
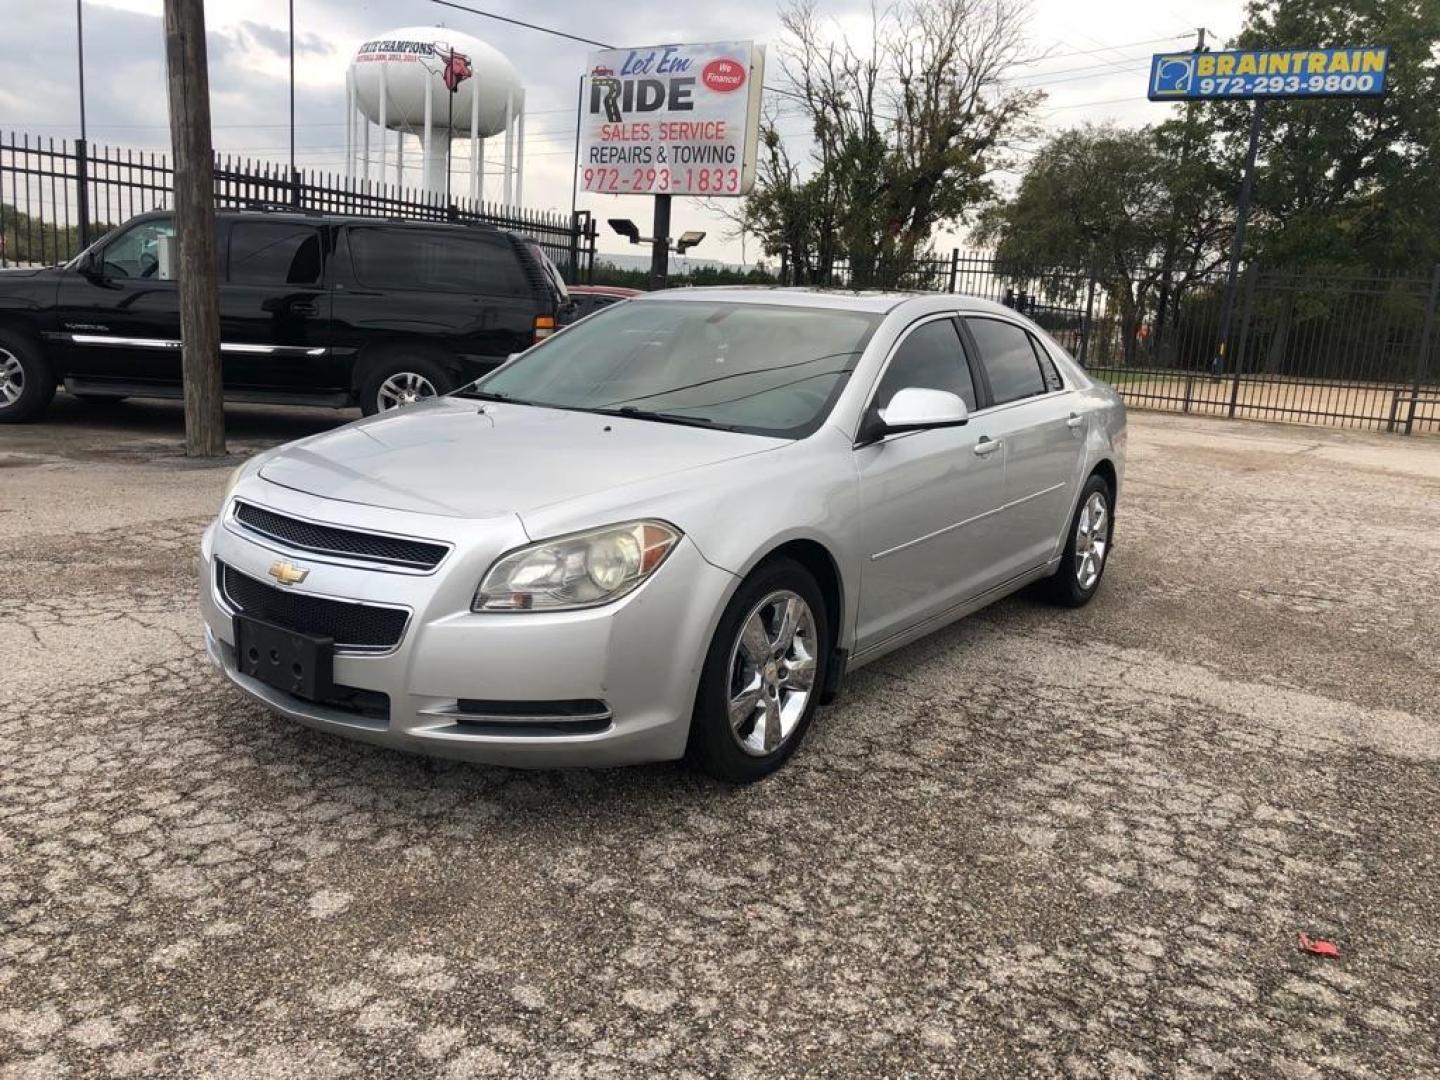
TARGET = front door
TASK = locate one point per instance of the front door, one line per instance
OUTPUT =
(928, 499)
(121, 323)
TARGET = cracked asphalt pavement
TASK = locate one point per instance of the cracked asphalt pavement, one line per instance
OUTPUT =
(1039, 842)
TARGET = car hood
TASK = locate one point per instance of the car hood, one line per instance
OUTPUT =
(460, 457)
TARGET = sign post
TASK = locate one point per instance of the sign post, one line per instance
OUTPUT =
(1237, 242)
(1257, 75)
(670, 120)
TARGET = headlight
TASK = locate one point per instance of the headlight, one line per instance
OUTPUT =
(579, 571)
(230, 484)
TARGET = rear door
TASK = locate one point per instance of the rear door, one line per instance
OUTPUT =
(1034, 415)
(463, 289)
(928, 499)
(275, 309)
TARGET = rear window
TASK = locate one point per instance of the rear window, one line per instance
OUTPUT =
(1009, 360)
(274, 253)
(1047, 367)
(434, 260)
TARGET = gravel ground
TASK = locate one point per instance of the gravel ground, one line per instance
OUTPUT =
(1039, 842)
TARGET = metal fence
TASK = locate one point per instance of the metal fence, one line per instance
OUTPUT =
(1343, 350)
(58, 196)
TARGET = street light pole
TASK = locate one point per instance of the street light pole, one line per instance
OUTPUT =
(292, 91)
(80, 50)
(82, 148)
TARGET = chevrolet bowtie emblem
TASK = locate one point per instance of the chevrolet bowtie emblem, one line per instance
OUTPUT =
(287, 573)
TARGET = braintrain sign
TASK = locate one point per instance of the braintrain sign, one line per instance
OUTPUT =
(1270, 73)
(671, 119)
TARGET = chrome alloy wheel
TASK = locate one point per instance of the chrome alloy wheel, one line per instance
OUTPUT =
(403, 388)
(772, 672)
(12, 378)
(1092, 540)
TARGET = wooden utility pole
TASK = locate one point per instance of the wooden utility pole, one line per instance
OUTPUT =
(189, 85)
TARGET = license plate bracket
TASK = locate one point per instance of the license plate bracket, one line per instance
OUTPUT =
(299, 664)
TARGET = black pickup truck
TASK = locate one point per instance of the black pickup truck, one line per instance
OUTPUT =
(314, 310)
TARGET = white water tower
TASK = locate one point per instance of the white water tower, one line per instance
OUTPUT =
(402, 81)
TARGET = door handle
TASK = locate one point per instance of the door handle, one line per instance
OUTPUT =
(986, 446)
(1076, 422)
(304, 307)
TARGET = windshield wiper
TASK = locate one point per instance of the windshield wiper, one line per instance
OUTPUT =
(485, 395)
(630, 412)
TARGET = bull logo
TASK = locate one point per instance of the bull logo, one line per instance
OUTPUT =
(457, 69)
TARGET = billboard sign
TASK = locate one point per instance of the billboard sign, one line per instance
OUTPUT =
(1269, 73)
(671, 119)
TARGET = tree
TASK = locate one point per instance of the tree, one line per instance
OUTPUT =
(905, 135)
(1350, 182)
(1120, 204)
(25, 239)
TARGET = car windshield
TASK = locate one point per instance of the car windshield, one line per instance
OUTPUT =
(759, 368)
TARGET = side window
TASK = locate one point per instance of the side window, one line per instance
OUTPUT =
(1048, 371)
(1009, 359)
(436, 260)
(274, 253)
(135, 253)
(932, 358)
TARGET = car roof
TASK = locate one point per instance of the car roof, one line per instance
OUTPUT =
(877, 300)
(285, 213)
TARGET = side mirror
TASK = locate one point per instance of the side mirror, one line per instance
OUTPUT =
(915, 409)
(89, 265)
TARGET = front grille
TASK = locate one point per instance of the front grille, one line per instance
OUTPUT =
(331, 540)
(351, 625)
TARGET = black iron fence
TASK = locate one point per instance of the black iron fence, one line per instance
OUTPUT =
(1339, 349)
(1347, 350)
(58, 196)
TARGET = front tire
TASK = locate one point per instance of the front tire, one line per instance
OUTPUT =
(27, 384)
(1087, 550)
(400, 378)
(762, 677)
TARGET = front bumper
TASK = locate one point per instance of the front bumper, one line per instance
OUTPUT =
(640, 656)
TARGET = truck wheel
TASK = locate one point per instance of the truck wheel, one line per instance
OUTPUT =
(26, 382)
(400, 378)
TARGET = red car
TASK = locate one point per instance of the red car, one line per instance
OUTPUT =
(588, 299)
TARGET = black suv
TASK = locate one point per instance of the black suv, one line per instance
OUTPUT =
(314, 310)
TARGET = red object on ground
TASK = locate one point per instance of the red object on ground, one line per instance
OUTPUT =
(1317, 946)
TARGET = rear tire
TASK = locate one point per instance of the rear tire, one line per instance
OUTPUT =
(27, 384)
(401, 376)
(1087, 548)
(763, 675)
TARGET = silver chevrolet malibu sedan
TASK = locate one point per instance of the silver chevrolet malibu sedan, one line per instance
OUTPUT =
(669, 530)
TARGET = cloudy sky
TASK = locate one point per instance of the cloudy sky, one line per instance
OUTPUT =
(1095, 53)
